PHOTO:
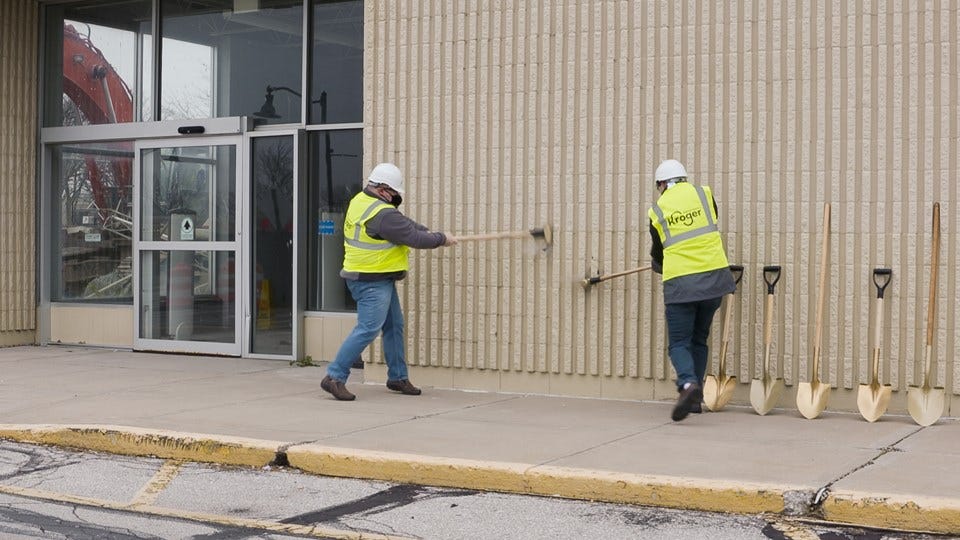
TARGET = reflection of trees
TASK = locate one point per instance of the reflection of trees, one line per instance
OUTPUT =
(194, 102)
(75, 187)
(275, 178)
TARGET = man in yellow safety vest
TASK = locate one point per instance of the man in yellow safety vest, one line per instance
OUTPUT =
(377, 239)
(688, 252)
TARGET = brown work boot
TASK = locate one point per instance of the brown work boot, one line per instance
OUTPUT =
(688, 396)
(337, 388)
(404, 386)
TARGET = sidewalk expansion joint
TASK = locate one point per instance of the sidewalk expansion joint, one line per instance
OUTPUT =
(604, 443)
(816, 503)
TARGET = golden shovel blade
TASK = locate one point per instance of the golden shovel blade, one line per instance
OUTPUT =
(764, 394)
(872, 400)
(812, 398)
(925, 404)
(717, 392)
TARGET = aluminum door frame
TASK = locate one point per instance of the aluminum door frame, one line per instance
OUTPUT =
(299, 216)
(236, 245)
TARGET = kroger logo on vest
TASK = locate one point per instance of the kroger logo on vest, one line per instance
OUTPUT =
(684, 218)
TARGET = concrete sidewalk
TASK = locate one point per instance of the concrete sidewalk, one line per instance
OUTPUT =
(891, 474)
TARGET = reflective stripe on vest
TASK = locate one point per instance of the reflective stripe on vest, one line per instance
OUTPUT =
(670, 239)
(363, 253)
(360, 225)
(693, 245)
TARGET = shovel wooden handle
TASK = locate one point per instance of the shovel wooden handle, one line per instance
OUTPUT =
(724, 343)
(934, 266)
(767, 335)
(737, 271)
(881, 284)
(932, 299)
(771, 275)
(821, 294)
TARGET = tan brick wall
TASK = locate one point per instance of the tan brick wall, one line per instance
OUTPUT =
(18, 112)
(506, 115)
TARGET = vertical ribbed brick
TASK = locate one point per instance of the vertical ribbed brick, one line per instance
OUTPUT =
(509, 115)
(18, 153)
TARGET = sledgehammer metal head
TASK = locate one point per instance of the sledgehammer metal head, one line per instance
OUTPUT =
(545, 232)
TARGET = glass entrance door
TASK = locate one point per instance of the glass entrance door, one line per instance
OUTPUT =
(274, 291)
(188, 246)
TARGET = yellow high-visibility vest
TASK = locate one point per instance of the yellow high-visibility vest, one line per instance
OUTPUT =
(687, 224)
(363, 253)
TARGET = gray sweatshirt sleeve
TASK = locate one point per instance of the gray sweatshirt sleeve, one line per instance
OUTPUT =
(391, 225)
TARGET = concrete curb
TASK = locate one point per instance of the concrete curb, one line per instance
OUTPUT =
(522, 478)
(921, 514)
(528, 479)
(148, 442)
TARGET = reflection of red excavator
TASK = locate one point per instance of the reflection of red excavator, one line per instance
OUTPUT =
(99, 266)
(103, 98)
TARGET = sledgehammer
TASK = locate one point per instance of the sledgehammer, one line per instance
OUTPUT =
(587, 282)
(545, 232)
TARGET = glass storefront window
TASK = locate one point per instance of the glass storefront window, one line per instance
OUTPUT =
(336, 73)
(336, 175)
(94, 56)
(218, 58)
(92, 222)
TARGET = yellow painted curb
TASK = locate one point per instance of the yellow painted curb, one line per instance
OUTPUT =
(584, 484)
(144, 442)
(408, 468)
(571, 483)
(920, 514)
(653, 490)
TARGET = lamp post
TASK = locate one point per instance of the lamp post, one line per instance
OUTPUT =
(267, 110)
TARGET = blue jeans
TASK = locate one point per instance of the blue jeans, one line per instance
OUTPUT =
(689, 327)
(378, 308)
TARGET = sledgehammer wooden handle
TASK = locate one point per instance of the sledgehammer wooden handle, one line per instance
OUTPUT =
(545, 232)
(597, 279)
(493, 236)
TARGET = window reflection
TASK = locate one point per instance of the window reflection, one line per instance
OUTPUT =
(93, 236)
(337, 66)
(94, 54)
(218, 56)
(336, 175)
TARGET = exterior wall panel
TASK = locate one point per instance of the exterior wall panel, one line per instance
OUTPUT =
(510, 115)
(18, 86)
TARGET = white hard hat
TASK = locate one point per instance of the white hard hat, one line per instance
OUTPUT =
(669, 170)
(389, 175)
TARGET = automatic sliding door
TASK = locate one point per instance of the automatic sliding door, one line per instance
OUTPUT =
(188, 247)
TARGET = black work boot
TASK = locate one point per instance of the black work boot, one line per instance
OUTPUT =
(696, 407)
(404, 387)
(337, 388)
(688, 396)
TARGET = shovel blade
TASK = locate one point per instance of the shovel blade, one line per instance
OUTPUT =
(764, 394)
(812, 398)
(717, 392)
(925, 404)
(873, 401)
